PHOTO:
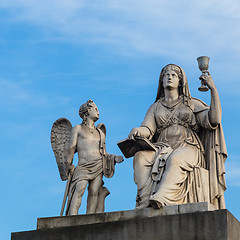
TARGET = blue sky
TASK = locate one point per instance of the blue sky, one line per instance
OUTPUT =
(56, 54)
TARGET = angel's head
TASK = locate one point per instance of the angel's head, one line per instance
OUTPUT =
(89, 109)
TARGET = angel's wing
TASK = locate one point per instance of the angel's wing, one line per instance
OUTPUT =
(102, 127)
(60, 137)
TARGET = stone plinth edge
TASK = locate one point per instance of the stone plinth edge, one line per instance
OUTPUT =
(201, 225)
(67, 221)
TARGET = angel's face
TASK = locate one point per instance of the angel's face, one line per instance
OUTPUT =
(93, 112)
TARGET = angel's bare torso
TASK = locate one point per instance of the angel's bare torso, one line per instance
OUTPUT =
(87, 142)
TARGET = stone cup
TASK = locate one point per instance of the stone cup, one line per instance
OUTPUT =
(203, 64)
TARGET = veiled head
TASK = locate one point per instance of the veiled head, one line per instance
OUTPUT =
(182, 86)
(170, 80)
(172, 67)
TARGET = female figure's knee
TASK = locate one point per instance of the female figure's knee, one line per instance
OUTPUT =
(174, 160)
(143, 158)
(138, 160)
(139, 155)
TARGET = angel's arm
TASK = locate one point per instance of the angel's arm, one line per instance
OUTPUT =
(72, 144)
(115, 158)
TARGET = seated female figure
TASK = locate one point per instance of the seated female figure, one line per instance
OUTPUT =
(188, 136)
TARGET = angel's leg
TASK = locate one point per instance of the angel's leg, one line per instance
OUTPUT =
(77, 197)
(93, 190)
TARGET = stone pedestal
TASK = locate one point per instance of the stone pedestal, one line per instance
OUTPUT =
(178, 222)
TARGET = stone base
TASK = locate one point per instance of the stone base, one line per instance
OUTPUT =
(78, 220)
(178, 222)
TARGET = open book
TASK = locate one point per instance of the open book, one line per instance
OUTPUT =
(130, 146)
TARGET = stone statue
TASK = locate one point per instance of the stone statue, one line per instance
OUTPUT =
(188, 163)
(93, 160)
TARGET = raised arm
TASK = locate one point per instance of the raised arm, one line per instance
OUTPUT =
(215, 111)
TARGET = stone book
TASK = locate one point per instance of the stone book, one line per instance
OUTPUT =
(130, 146)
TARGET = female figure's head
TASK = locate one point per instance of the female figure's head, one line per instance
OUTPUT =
(172, 76)
(170, 80)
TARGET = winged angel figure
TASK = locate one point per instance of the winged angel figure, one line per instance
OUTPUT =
(93, 160)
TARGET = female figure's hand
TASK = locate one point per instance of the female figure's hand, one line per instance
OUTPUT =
(207, 79)
(139, 132)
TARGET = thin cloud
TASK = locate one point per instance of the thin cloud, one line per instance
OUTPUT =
(15, 94)
(177, 30)
(179, 26)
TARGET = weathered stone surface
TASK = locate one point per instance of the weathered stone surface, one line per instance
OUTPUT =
(93, 160)
(181, 128)
(206, 225)
(68, 221)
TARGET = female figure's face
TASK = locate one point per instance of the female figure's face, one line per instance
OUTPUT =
(170, 80)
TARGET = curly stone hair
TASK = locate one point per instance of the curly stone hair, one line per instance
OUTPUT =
(175, 68)
(83, 110)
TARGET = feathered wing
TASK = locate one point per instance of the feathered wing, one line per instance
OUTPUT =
(60, 138)
(102, 127)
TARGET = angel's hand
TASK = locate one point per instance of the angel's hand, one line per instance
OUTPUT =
(119, 159)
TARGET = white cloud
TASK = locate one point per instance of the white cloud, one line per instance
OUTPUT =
(179, 30)
(154, 27)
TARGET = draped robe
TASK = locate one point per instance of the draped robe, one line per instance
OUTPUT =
(187, 142)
